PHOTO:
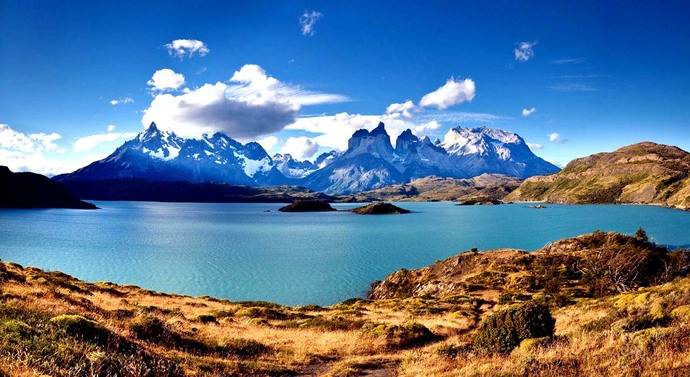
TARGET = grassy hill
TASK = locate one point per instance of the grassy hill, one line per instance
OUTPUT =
(424, 322)
(645, 173)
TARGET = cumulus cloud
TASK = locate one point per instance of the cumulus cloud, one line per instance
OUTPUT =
(555, 137)
(451, 93)
(187, 48)
(251, 104)
(166, 79)
(268, 143)
(524, 51)
(404, 109)
(301, 148)
(333, 131)
(121, 101)
(528, 111)
(308, 21)
(535, 146)
(21, 142)
(90, 142)
(26, 152)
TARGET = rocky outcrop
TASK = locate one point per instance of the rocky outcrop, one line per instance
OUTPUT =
(307, 206)
(380, 209)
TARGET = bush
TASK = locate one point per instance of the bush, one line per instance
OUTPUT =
(243, 348)
(405, 335)
(149, 328)
(505, 329)
(81, 327)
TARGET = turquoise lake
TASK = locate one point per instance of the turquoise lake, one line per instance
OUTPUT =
(253, 252)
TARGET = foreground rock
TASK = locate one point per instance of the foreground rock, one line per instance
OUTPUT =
(646, 173)
(29, 190)
(308, 206)
(380, 209)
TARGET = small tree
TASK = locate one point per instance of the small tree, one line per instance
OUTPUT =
(641, 235)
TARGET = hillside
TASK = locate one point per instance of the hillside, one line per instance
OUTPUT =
(486, 186)
(30, 190)
(53, 324)
(645, 173)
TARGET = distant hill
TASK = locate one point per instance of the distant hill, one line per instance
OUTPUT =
(646, 173)
(29, 190)
(485, 186)
(166, 191)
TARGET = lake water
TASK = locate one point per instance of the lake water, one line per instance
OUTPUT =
(253, 252)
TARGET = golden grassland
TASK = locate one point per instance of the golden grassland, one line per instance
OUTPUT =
(53, 324)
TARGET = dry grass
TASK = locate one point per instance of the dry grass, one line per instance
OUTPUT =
(644, 332)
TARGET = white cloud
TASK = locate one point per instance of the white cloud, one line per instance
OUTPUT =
(525, 51)
(250, 105)
(528, 111)
(404, 109)
(308, 21)
(569, 61)
(121, 101)
(21, 142)
(301, 148)
(451, 93)
(573, 87)
(166, 79)
(187, 47)
(26, 152)
(555, 137)
(90, 142)
(268, 143)
(535, 146)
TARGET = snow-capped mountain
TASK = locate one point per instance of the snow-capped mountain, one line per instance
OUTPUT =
(487, 150)
(366, 164)
(293, 168)
(370, 161)
(159, 155)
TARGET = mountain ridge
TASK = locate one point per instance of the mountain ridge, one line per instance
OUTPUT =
(641, 173)
(370, 161)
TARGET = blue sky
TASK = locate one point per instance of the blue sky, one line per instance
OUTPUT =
(599, 74)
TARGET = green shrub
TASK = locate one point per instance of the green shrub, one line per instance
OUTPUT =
(405, 335)
(505, 329)
(207, 318)
(243, 348)
(81, 327)
(149, 328)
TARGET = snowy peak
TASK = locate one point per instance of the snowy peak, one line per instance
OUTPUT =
(481, 141)
(293, 168)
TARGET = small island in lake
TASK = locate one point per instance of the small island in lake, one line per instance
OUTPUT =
(380, 209)
(307, 206)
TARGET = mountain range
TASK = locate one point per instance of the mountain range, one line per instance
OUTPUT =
(370, 161)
